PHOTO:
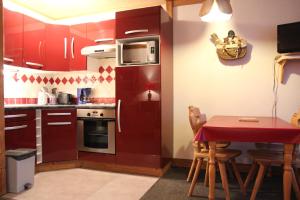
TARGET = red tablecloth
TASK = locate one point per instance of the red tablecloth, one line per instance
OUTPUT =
(267, 129)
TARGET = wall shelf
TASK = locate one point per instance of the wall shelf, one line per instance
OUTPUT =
(281, 61)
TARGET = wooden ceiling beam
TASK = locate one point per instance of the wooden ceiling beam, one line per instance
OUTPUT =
(186, 2)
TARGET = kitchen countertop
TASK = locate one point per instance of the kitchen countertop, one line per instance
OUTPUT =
(36, 106)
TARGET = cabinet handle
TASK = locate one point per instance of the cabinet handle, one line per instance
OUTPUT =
(15, 127)
(58, 123)
(15, 116)
(119, 112)
(72, 47)
(58, 114)
(10, 60)
(34, 64)
(136, 31)
(66, 43)
(104, 40)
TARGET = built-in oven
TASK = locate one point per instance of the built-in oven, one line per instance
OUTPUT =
(96, 130)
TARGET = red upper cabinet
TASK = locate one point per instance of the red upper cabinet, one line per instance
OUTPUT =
(101, 32)
(77, 42)
(137, 23)
(34, 43)
(13, 37)
(57, 48)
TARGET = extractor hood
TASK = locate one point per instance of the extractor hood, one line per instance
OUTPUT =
(100, 51)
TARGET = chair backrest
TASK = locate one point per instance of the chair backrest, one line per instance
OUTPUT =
(195, 119)
(197, 122)
(295, 120)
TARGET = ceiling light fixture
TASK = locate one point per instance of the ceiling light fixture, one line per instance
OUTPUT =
(215, 10)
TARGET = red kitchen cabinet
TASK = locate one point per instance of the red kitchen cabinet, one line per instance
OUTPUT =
(13, 37)
(57, 48)
(144, 124)
(139, 136)
(20, 129)
(34, 43)
(77, 42)
(101, 32)
(137, 23)
(59, 135)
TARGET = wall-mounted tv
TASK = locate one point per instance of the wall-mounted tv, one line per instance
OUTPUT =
(288, 38)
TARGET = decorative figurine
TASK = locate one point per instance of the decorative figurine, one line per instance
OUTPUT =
(230, 48)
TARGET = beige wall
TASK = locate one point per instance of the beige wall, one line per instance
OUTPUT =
(241, 87)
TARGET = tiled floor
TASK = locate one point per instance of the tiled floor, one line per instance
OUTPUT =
(83, 184)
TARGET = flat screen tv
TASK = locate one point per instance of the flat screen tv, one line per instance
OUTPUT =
(288, 38)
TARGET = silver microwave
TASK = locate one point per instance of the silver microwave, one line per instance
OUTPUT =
(139, 52)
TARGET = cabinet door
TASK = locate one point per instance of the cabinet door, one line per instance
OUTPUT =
(57, 48)
(20, 134)
(137, 23)
(59, 135)
(139, 128)
(34, 43)
(77, 42)
(13, 37)
(101, 32)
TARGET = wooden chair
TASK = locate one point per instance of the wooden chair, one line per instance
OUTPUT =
(266, 158)
(223, 156)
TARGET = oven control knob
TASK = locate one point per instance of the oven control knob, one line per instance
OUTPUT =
(88, 114)
(101, 114)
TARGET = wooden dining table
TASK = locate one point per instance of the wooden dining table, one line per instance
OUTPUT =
(250, 129)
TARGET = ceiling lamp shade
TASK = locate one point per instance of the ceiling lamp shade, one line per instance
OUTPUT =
(215, 10)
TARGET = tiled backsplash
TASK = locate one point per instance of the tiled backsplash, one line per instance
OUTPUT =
(21, 85)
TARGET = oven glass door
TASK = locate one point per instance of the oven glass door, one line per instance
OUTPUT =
(96, 134)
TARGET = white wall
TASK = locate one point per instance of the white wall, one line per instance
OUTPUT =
(241, 87)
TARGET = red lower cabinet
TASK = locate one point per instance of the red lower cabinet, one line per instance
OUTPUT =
(59, 135)
(20, 129)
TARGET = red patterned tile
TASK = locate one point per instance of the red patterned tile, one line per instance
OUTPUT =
(15, 77)
(57, 80)
(10, 100)
(71, 80)
(51, 80)
(109, 69)
(64, 80)
(85, 79)
(109, 78)
(93, 79)
(20, 100)
(31, 100)
(101, 69)
(24, 78)
(5, 101)
(78, 79)
(45, 80)
(31, 78)
(101, 79)
(38, 79)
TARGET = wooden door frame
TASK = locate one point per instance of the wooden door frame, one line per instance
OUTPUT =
(2, 148)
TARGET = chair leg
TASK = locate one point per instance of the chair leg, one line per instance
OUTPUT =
(297, 174)
(238, 176)
(223, 173)
(196, 174)
(250, 175)
(206, 175)
(189, 178)
(258, 181)
(295, 185)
